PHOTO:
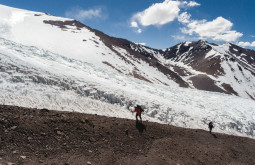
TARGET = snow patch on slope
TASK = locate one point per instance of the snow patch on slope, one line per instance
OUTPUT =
(211, 53)
(222, 49)
(240, 79)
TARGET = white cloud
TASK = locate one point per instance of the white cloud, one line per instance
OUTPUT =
(158, 13)
(253, 36)
(134, 24)
(193, 3)
(184, 17)
(80, 14)
(185, 4)
(244, 44)
(139, 31)
(218, 29)
(162, 13)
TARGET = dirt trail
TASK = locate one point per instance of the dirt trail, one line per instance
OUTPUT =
(32, 136)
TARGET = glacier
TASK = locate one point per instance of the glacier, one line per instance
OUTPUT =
(39, 78)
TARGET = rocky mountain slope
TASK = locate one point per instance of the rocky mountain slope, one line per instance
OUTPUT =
(34, 136)
(223, 68)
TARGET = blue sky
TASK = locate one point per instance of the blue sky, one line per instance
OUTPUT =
(158, 23)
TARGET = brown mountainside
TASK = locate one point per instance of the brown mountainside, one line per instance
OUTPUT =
(33, 136)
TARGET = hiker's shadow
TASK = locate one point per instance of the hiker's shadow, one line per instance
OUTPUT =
(214, 136)
(140, 126)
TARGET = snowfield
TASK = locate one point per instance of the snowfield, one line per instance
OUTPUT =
(34, 77)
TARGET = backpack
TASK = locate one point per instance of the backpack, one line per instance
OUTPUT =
(211, 124)
(139, 107)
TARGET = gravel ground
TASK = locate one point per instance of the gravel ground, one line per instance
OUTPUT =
(41, 136)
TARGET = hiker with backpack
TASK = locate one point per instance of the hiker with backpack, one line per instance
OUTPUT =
(210, 126)
(138, 109)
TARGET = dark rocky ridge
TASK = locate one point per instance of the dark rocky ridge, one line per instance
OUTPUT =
(33, 136)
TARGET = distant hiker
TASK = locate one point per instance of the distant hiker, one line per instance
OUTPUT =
(138, 109)
(210, 126)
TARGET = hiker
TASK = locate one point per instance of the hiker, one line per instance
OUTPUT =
(138, 109)
(210, 126)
